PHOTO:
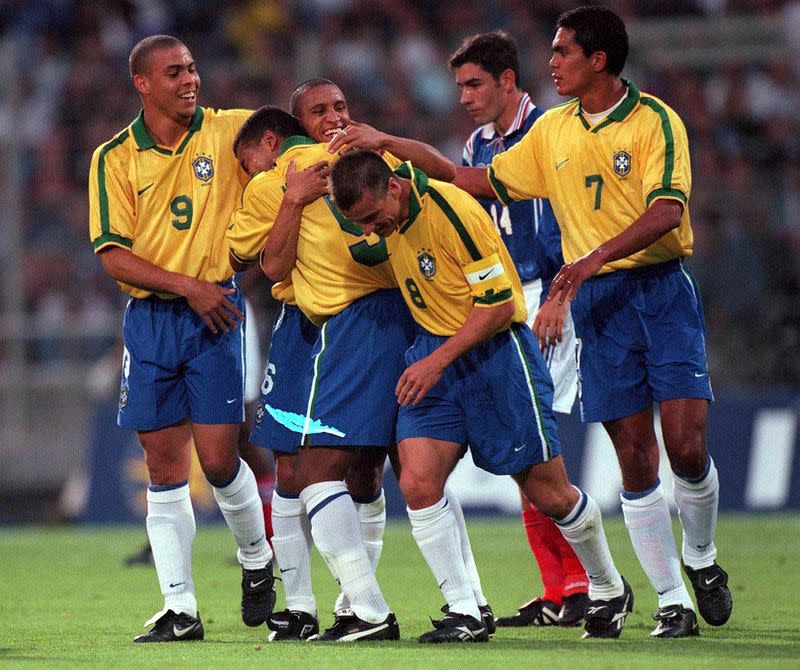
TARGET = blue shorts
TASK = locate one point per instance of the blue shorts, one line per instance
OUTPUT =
(358, 359)
(281, 408)
(641, 339)
(174, 367)
(497, 398)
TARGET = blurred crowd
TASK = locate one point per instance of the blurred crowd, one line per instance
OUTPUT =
(72, 92)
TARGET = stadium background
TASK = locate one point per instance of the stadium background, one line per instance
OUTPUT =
(729, 67)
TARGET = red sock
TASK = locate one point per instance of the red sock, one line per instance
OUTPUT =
(575, 579)
(266, 485)
(538, 529)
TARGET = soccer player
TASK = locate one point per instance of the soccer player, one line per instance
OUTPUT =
(161, 193)
(474, 376)
(486, 68)
(615, 162)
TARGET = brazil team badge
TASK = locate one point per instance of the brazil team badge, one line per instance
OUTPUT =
(622, 163)
(203, 167)
(427, 264)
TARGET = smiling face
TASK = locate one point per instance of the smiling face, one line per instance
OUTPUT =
(323, 112)
(169, 84)
(573, 72)
(379, 214)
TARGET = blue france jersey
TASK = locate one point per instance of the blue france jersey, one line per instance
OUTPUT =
(529, 228)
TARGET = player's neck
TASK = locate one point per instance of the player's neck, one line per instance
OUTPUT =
(165, 130)
(503, 122)
(604, 94)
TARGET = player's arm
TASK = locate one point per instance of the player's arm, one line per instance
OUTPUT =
(661, 217)
(208, 299)
(480, 325)
(475, 181)
(302, 188)
(423, 156)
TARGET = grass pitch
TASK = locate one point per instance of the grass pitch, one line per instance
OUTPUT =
(66, 601)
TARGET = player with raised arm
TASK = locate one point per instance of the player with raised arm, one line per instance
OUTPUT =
(474, 377)
(161, 194)
(486, 68)
(615, 163)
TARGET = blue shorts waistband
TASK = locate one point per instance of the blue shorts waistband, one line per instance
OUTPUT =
(655, 270)
(168, 298)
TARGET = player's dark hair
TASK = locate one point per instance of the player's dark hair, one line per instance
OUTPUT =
(303, 88)
(139, 60)
(263, 119)
(598, 29)
(356, 172)
(495, 52)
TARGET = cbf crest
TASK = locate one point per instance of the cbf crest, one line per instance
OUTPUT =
(427, 264)
(203, 167)
(622, 163)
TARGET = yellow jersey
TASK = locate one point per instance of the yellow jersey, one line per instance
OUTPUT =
(336, 264)
(169, 207)
(448, 257)
(601, 179)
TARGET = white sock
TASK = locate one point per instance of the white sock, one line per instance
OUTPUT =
(583, 529)
(372, 518)
(650, 527)
(697, 508)
(292, 545)
(466, 547)
(337, 534)
(243, 510)
(171, 529)
(436, 532)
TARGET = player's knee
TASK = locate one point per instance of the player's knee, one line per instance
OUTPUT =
(688, 457)
(554, 501)
(219, 468)
(364, 481)
(420, 489)
(287, 474)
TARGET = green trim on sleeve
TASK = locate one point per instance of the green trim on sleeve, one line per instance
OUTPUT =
(499, 189)
(492, 298)
(105, 223)
(666, 193)
(111, 238)
(457, 224)
(669, 141)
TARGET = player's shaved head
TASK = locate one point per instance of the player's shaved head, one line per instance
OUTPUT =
(297, 95)
(356, 172)
(139, 60)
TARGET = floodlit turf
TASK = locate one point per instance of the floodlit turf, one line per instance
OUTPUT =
(67, 601)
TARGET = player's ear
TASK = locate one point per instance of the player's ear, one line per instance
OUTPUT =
(141, 84)
(598, 60)
(508, 79)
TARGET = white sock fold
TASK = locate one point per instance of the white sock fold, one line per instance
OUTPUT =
(171, 530)
(650, 528)
(292, 543)
(466, 546)
(583, 529)
(243, 510)
(697, 509)
(436, 532)
(337, 534)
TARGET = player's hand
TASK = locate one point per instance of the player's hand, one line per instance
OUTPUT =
(417, 380)
(570, 277)
(357, 136)
(305, 186)
(210, 301)
(548, 326)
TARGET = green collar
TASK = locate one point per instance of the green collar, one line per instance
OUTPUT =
(419, 186)
(145, 141)
(293, 141)
(620, 113)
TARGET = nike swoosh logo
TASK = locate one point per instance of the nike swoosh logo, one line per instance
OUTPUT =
(139, 192)
(255, 585)
(286, 569)
(482, 277)
(711, 580)
(520, 448)
(443, 583)
(700, 374)
(255, 542)
(180, 632)
(560, 164)
(172, 586)
(230, 402)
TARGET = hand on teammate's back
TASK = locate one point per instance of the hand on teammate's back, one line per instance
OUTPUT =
(305, 186)
(210, 302)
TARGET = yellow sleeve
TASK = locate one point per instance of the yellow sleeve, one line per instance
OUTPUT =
(112, 213)
(391, 160)
(516, 174)
(664, 155)
(253, 221)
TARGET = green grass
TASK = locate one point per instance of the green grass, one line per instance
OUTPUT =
(65, 601)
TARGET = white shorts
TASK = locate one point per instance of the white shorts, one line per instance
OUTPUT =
(253, 368)
(561, 359)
